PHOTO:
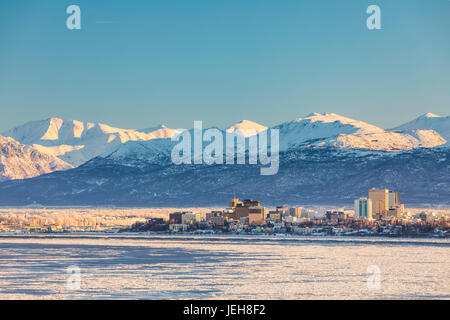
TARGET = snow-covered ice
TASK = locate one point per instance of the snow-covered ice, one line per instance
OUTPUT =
(221, 267)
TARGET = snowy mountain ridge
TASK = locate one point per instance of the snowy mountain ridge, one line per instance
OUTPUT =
(332, 130)
(428, 121)
(19, 161)
(76, 142)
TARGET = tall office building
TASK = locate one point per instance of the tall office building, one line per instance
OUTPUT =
(394, 199)
(380, 200)
(363, 209)
(256, 215)
(295, 212)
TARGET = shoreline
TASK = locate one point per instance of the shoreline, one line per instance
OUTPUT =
(229, 237)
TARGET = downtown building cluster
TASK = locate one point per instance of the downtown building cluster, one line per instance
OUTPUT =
(239, 213)
(380, 204)
(380, 214)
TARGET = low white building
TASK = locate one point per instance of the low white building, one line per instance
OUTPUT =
(190, 218)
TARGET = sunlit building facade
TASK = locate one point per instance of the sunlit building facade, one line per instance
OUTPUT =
(380, 200)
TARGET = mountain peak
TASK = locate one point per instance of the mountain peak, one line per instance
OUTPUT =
(325, 117)
(320, 114)
(332, 118)
(155, 128)
(52, 132)
(246, 128)
(246, 121)
(429, 115)
(55, 119)
(428, 121)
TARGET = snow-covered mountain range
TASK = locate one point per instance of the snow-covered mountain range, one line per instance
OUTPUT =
(324, 158)
(55, 144)
(332, 130)
(77, 142)
(307, 176)
(19, 161)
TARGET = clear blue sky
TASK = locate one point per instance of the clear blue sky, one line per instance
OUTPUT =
(135, 64)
